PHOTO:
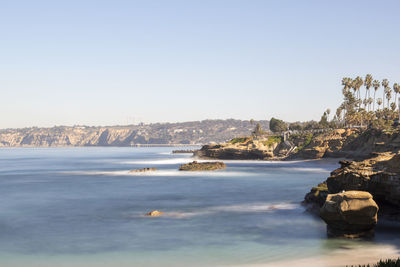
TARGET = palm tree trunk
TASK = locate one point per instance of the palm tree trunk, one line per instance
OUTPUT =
(383, 99)
(365, 99)
(374, 99)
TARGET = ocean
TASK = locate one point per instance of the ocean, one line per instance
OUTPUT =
(82, 207)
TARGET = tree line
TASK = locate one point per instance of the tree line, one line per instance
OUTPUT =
(361, 107)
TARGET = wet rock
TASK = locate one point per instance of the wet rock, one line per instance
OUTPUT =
(202, 166)
(315, 199)
(350, 214)
(154, 213)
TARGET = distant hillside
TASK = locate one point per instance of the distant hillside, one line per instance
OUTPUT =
(195, 132)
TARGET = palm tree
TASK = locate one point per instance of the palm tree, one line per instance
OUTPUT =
(385, 84)
(388, 92)
(365, 102)
(379, 102)
(368, 84)
(393, 106)
(396, 89)
(339, 113)
(345, 82)
(370, 101)
(376, 84)
(358, 82)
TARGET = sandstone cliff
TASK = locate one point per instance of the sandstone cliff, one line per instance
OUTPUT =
(306, 145)
(378, 175)
(327, 144)
(247, 148)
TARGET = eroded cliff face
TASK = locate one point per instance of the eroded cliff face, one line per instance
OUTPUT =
(351, 143)
(66, 137)
(249, 149)
(328, 144)
(379, 175)
(306, 146)
(375, 170)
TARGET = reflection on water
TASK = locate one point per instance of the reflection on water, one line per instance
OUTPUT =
(81, 207)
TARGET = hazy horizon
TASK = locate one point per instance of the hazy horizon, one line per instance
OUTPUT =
(124, 62)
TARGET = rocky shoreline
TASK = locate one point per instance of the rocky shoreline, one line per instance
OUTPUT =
(378, 174)
(351, 143)
(244, 148)
(374, 170)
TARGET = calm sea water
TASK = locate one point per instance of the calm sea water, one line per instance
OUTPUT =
(80, 207)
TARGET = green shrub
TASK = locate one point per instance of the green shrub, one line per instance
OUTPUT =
(381, 124)
(308, 140)
(272, 140)
(239, 140)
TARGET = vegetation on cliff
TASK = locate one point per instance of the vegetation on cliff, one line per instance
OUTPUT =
(382, 263)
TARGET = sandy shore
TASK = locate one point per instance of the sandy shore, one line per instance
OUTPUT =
(341, 257)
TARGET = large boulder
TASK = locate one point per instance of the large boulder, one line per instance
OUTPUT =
(350, 214)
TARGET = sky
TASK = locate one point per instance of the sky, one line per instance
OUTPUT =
(94, 62)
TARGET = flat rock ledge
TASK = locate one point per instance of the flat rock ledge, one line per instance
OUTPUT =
(143, 170)
(350, 214)
(202, 166)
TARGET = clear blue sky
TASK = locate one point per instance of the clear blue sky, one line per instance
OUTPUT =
(113, 62)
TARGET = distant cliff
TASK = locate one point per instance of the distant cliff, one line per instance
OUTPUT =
(195, 132)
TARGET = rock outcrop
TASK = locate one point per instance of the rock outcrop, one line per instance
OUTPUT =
(316, 197)
(327, 144)
(379, 175)
(247, 148)
(202, 166)
(346, 143)
(184, 151)
(154, 213)
(350, 214)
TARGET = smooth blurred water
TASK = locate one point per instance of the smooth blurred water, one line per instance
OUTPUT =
(81, 207)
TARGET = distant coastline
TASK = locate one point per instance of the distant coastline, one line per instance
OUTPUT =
(155, 134)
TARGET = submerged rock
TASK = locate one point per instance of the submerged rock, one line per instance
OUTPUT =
(184, 151)
(350, 214)
(154, 213)
(143, 170)
(202, 166)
